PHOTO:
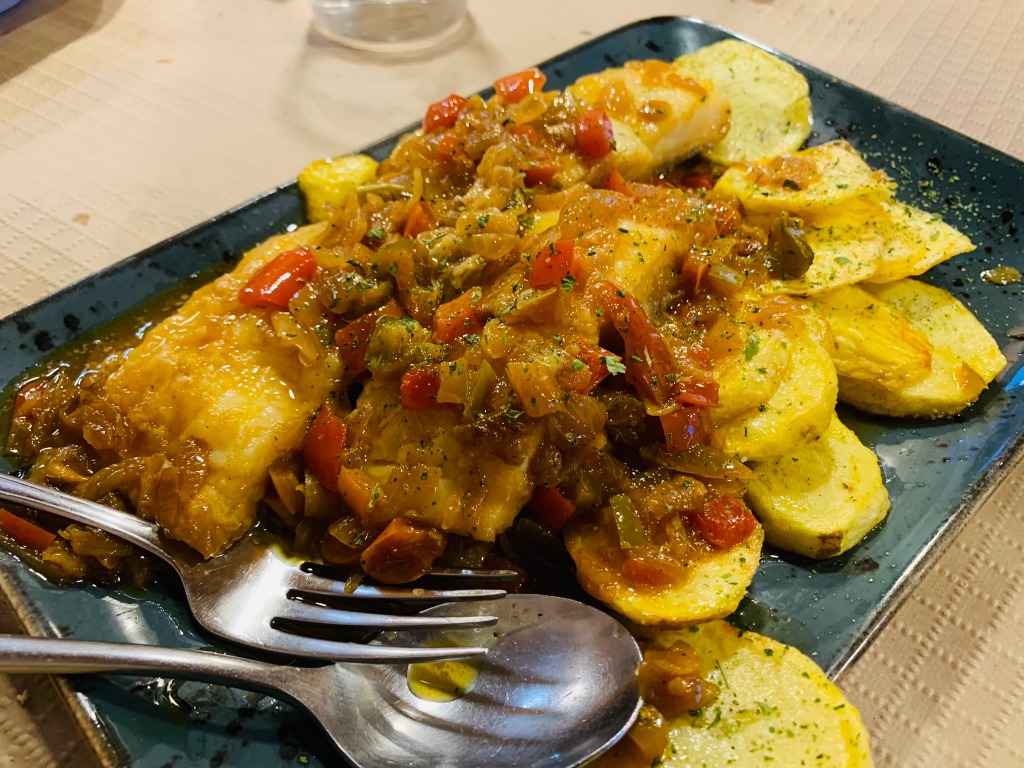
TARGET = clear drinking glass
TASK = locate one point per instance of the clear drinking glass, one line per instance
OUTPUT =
(388, 25)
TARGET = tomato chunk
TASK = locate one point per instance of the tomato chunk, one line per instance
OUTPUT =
(419, 386)
(724, 521)
(553, 264)
(323, 446)
(463, 314)
(550, 508)
(444, 113)
(515, 88)
(594, 136)
(354, 337)
(25, 533)
(279, 280)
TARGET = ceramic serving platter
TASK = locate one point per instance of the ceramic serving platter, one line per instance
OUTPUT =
(937, 473)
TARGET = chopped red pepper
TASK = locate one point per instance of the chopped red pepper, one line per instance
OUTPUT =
(594, 136)
(517, 87)
(593, 358)
(419, 386)
(648, 360)
(25, 533)
(540, 173)
(724, 521)
(444, 113)
(463, 314)
(685, 427)
(616, 183)
(700, 392)
(522, 132)
(323, 446)
(449, 147)
(279, 280)
(550, 508)
(553, 264)
(353, 338)
(418, 221)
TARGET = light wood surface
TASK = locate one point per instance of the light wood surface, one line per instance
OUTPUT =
(123, 122)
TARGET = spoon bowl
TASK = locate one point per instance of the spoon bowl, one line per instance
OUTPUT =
(556, 688)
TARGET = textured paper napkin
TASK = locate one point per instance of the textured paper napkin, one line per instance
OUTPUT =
(123, 122)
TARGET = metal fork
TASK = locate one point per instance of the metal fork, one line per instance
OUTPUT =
(255, 596)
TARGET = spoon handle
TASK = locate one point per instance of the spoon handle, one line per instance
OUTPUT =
(21, 654)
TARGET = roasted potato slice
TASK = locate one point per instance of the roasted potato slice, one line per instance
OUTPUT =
(822, 498)
(946, 321)
(325, 183)
(798, 410)
(874, 341)
(775, 707)
(818, 178)
(914, 241)
(964, 358)
(771, 107)
(715, 586)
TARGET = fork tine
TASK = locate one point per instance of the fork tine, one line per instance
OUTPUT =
(338, 617)
(337, 650)
(321, 585)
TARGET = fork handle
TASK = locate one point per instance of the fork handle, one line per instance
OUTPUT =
(29, 655)
(128, 527)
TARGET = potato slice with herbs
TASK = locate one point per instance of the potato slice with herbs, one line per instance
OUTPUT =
(713, 589)
(326, 183)
(964, 358)
(775, 707)
(914, 242)
(874, 341)
(771, 107)
(798, 410)
(946, 321)
(821, 499)
(814, 179)
(846, 248)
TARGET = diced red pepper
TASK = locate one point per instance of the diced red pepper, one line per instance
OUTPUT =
(685, 427)
(418, 221)
(699, 392)
(449, 147)
(419, 386)
(463, 314)
(540, 173)
(25, 533)
(554, 263)
(652, 572)
(648, 360)
(616, 183)
(550, 508)
(515, 88)
(353, 338)
(323, 447)
(594, 136)
(724, 521)
(594, 359)
(279, 280)
(444, 113)
(522, 132)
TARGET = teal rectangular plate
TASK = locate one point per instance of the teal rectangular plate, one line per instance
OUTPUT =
(937, 473)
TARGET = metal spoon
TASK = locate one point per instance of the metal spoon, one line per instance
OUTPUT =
(557, 687)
